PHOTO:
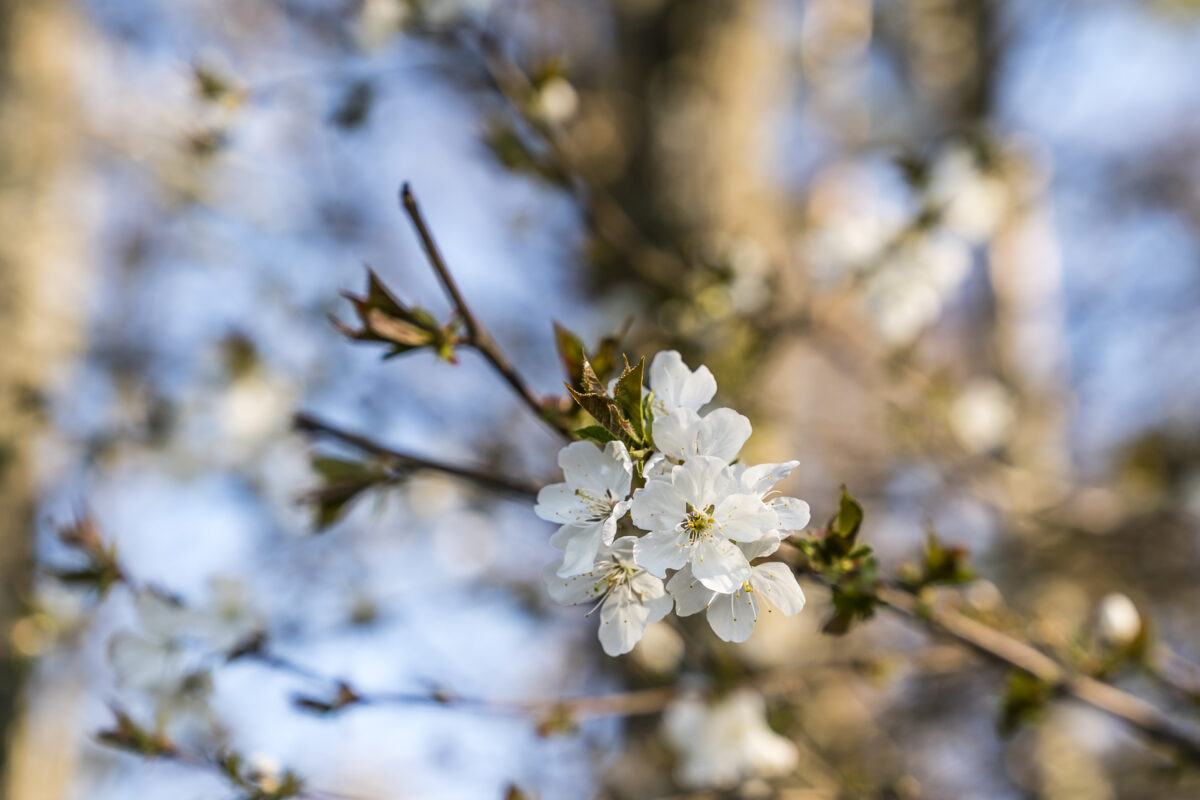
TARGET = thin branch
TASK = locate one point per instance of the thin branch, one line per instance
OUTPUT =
(616, 704)
(1174, 672)
(1006, 650)
(407, 461)
(478, 336)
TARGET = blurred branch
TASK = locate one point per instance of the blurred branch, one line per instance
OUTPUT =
(477, 335)
(857, 591)
(409, 462)
(129, 736)
(1007, 650)
(555, 713)
(1174, 672)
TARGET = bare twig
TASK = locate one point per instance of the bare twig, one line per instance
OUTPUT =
(407, 461)
(616, 704)
(1009, 651)
(477, 335)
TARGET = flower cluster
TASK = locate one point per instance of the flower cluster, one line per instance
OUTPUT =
(698, 519)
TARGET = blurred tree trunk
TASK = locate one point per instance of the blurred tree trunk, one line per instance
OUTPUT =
(697, 82)
(40, 262)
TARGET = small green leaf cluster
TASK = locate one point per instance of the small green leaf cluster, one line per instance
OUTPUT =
(258, 787)
(624, 414)
(342, 481)
(1026, 697)
(385, 319)
(100, 569)
(126, 734)
(850, 568)
(940, 566)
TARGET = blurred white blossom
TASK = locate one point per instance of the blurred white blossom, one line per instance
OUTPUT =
(983, 416)
(1118, 623)
(722, 744)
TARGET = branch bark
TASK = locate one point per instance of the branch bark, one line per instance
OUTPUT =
(478, 336)
(408, 461)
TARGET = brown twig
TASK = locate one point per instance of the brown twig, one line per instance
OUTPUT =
(477, 335)
(408, 462)
(1011, 652)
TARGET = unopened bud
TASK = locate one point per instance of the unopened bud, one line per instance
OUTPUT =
(1118, 622)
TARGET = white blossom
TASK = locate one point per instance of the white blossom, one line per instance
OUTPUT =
(695, 517)
(155, 660)
(794, 514)
(152, 659)
(683, 433)
(973, 201)
(722, 744)
(627, 596)
(675, 386)
(732, 615)
(589, 503)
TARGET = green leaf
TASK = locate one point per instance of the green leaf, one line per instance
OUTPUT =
(605, 411)
(1026, 697)
(628, 395)
(385, 319)
(595, 433)
(571, 354)
(338, 469)
(849, 517)
(939, 565)
(342, 482)
(590, 380)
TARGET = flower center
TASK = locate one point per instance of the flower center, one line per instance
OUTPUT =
(698, 522)
(597, 508)
(615, 576)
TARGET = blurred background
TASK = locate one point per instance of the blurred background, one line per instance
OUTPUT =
(946, 252)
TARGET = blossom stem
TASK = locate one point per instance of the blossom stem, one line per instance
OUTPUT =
(477, 335)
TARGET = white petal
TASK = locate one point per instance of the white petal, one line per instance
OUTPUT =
(793, 513)
(658, 506)
(698, 389)
(623, 620)
(143, 662)
(676, 386)
(619, 476)
(559, 503)
(579, 545)
(677, 434)
(722, 434)
(719, 564)
(586, 466)
(761, 478)
(776, 584)
(691, 596)
(657, 468)
(650, 592)
(744, 517)
(660, 551)
(765, 546)
(702, 480)
(658, 607)
(161, 614)
(573, 590)
(621, 551)
(732, 616)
